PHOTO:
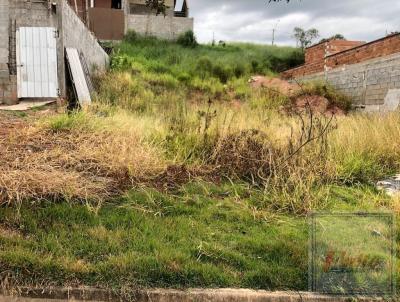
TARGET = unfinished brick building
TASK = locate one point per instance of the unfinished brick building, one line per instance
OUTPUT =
(111, 19)
(33, 39)
(367, 72)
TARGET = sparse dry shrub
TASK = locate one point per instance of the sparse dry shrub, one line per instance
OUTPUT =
(244, 155)
(294, 180)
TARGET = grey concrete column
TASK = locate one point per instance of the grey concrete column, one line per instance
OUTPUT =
(4, 28)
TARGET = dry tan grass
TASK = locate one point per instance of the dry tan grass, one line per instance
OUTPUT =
(37, 164)
(103, 152)
(374, 133)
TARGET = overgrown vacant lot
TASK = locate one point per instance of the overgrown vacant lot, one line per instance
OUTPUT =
(182, 174)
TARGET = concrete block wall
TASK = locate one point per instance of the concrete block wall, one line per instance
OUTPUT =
(162, 27)
(34, 14)
(373, 84)
(75, 34)
(6, 91)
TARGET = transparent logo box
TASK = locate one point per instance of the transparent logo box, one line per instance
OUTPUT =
(352, 254)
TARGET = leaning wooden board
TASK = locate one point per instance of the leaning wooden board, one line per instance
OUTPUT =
(78, 77)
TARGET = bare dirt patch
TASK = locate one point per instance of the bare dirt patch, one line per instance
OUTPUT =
(298, 101)
(275, 84)
(316, 103)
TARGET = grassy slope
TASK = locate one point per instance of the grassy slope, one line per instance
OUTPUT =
(202, 234)
(151, 75)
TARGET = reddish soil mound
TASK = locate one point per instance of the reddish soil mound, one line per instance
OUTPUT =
(316, 103)
(282, 86)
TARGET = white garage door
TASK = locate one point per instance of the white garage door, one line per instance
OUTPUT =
(37, 62)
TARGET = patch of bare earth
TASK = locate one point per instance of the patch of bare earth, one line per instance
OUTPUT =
(298, 104)
(316, 103)
(275, 84)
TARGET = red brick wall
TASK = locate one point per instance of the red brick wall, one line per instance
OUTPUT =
(315, 53)
(304, 70)
(315, 57)
(341, 53)
(376, 49)
(335, 46)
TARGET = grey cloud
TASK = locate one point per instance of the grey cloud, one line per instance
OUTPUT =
(253, 20)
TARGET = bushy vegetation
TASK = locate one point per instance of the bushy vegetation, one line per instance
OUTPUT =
(187, 39)
(183, 175)
(325, 90)
(213, 70)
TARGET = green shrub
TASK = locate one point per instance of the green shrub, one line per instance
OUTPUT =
(239, 70)
(119, 62)
(255, 66)
(295, 59)
(361, 169)
(204, 67)
(323, 89)
(183, 77)
(187, 39)
(222, 72)
(279, 63)
(131, 36)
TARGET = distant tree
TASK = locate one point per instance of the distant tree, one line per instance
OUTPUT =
(303, 37)
(393, 33)
(338, 37)
(158, 6)
(334, 37)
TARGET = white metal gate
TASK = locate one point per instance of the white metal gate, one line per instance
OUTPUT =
(37, 62)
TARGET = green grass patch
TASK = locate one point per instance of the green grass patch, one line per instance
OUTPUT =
(146, 70)
(203, 235)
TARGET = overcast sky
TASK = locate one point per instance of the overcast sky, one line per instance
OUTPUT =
(253, 20)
